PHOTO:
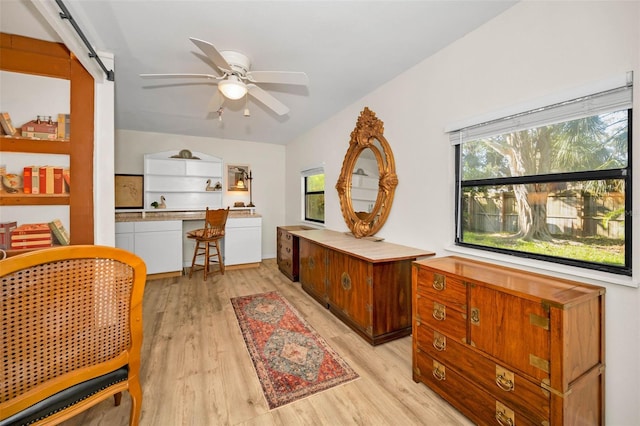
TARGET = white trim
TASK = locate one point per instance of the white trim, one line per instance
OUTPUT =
(555, 98)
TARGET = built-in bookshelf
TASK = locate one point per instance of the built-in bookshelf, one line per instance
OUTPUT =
(51, 64)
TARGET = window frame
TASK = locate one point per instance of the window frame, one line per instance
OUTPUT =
(305, 174)
(623, 174)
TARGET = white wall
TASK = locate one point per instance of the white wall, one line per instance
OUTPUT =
(103, 159)
(532, 50)
(266, 162)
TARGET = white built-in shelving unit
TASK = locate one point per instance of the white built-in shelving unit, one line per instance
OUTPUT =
(183, 182)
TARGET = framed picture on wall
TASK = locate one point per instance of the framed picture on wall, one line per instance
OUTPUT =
(237, 177)
(129, 191)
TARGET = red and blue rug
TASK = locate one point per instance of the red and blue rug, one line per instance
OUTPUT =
(292, 361)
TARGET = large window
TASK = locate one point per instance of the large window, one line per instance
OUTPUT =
(552, 184)
(313, 190)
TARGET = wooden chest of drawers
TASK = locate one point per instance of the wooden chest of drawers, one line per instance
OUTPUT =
(365, 284)
(287, 254)
(506, 346)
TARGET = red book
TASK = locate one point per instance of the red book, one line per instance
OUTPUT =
(58, 183)
(31, 244)
(43, 179)
(31, 228)
(26, 180)
(31, 237)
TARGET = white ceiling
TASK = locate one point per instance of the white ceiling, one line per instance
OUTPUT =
(347, 48)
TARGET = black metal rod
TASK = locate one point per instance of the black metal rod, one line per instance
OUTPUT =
(92, 53)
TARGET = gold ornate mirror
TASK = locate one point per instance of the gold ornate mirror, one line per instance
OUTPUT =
(368, 178)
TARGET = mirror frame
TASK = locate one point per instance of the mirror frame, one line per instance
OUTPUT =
(369, 130)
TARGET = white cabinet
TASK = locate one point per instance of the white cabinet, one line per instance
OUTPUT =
(158, 243)
(243, 240)
(185, 183)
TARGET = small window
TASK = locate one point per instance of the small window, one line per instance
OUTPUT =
(313, 189)
(550, 185)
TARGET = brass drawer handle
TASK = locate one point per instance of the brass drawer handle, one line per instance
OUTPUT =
(312, 263)
(440, 343)
(439, 312)
(345, 280)
(504, 383)
(438, 282)
(438, 374)
(503, 419)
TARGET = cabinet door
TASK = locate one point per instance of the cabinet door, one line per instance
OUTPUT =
(242, 245)
(349, 289)
(313, 270)
(160, 245)
(512, 329)
(125, 241)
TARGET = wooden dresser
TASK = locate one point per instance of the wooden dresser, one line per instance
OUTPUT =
(509, 347)
(288, 259)
(366, 284)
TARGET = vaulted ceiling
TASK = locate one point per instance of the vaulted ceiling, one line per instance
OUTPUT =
(347, 49)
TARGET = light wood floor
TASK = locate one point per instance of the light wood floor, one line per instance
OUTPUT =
(197, 371)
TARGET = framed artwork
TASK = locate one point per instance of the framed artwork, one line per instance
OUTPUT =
(129, 191)
(237, 177)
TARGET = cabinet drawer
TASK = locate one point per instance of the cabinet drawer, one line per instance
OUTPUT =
(161, 225)
(243, 222)
(442, 287)
(472, 401)
(124, 227)
(504, 384)
(442, 317)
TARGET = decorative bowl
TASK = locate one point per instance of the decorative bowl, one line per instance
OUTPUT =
(12, 181)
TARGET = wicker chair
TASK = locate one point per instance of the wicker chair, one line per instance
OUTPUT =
(71, 332)
(208, 238)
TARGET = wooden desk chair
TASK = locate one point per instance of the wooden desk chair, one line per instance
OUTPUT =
(208, 241)
(71, 332)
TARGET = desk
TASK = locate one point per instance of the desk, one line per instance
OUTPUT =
(242, 244)
(366, 284)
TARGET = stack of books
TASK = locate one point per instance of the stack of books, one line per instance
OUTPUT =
(31, 235)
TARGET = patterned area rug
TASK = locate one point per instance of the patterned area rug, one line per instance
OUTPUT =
(291, 359)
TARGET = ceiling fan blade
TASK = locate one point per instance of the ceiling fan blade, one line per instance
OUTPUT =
(268, 100)
(280, 77)
(210, 76)
(212, 53)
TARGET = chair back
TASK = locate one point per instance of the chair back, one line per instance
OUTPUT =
(215, 222)
(69, 314)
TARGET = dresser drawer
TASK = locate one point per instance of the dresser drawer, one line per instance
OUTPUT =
(504, 384)
(442, 287)
(441, 316)
(480, 406)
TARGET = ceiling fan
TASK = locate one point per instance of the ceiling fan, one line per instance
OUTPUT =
(237, 79)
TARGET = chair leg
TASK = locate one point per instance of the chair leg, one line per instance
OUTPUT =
(136, 402)
(206, 259)
(193, 261)
(220, 262)
(117, 398)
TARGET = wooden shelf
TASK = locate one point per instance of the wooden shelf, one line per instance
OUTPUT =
(35, 146)
(22, 199)
(42, 58)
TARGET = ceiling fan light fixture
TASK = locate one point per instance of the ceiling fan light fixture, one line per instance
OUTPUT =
(233, 88)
